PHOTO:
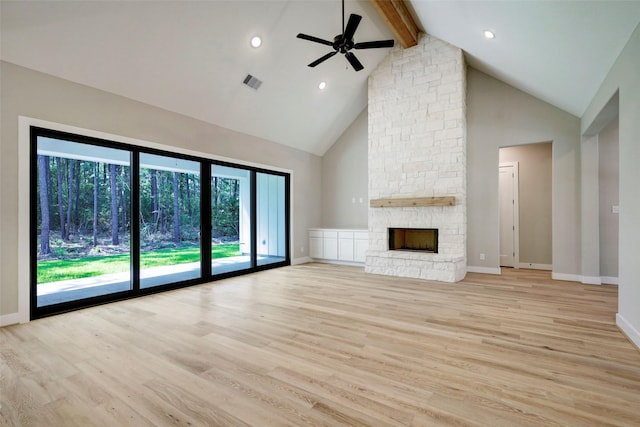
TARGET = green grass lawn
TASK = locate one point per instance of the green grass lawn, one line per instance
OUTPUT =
(64, 269)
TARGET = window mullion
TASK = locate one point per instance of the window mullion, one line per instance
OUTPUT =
(205, 222)
(135, 221)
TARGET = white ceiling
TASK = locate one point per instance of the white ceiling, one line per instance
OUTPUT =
(559, 51)
(190, 57)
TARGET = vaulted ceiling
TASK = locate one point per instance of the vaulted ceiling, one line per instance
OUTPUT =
(191, 57)
(557, 50)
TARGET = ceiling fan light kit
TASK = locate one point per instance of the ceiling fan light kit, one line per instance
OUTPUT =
(343, 43)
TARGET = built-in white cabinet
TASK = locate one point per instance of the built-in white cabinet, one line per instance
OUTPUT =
(349, 246)
(345, 245)
(360, 245)
(315, 243)
(330, 244)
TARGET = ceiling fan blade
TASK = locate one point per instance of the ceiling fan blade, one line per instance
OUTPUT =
(352, 26)
(373, 45)
(314, 39)
(324, 58)
(353, 61)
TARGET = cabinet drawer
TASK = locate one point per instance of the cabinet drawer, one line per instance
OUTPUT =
(315, 233)
(330, 234)
(345, 234)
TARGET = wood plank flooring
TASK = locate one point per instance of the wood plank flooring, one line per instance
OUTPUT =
(325, 345)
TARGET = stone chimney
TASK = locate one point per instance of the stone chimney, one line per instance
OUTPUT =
(417, 149)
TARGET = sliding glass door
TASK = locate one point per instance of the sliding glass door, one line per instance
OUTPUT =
(82, 218)
(169, 220)
(112, 221)
(230, 219)
(271, 218)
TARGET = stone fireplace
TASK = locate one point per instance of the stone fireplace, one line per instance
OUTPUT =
(417, 151)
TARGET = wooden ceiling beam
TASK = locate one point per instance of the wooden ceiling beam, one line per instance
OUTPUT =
(399, 19)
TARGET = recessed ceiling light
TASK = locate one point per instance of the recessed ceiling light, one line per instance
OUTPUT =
(256, 41)
(489, 34)
(322, 85)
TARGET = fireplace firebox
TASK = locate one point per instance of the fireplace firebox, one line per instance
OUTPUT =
(413, 239)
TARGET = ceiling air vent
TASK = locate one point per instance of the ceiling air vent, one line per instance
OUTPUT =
(252, 82)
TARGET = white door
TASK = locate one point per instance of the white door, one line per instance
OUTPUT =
(508, 196)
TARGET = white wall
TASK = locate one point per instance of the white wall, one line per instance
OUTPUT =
(499, 115)
(623, 78)
(33, 94)
(345, 177)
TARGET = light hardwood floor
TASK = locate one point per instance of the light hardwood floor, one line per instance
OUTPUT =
(329, 345)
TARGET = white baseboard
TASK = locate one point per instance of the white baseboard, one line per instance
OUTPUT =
(337, 262)
(302, 260)
(483, 270)
(9, 319)
(534, 266)
(587, 280)
(627, 328)
(591, 280)
(567, 277)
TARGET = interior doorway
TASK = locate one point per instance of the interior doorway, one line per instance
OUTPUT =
(509, 218)
(525, 196)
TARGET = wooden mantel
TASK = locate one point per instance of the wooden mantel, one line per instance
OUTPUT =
(413, 202)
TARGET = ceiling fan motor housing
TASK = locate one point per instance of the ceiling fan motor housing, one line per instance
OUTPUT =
(341, 45)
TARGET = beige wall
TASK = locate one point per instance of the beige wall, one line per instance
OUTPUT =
(589, 212)
(608, 178)
(534, 165)
(344, 178)
(32, 94)
(499, 115)
(623, 78)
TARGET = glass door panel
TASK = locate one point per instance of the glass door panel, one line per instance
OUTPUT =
(230, 219)
(83, 212)
(271, 220)
(169, 220)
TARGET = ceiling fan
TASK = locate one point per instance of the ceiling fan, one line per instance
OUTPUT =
(343, 43)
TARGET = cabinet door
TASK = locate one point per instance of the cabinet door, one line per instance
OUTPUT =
(361, 246)
(330, 247)
(315, 247)
(345, 249)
